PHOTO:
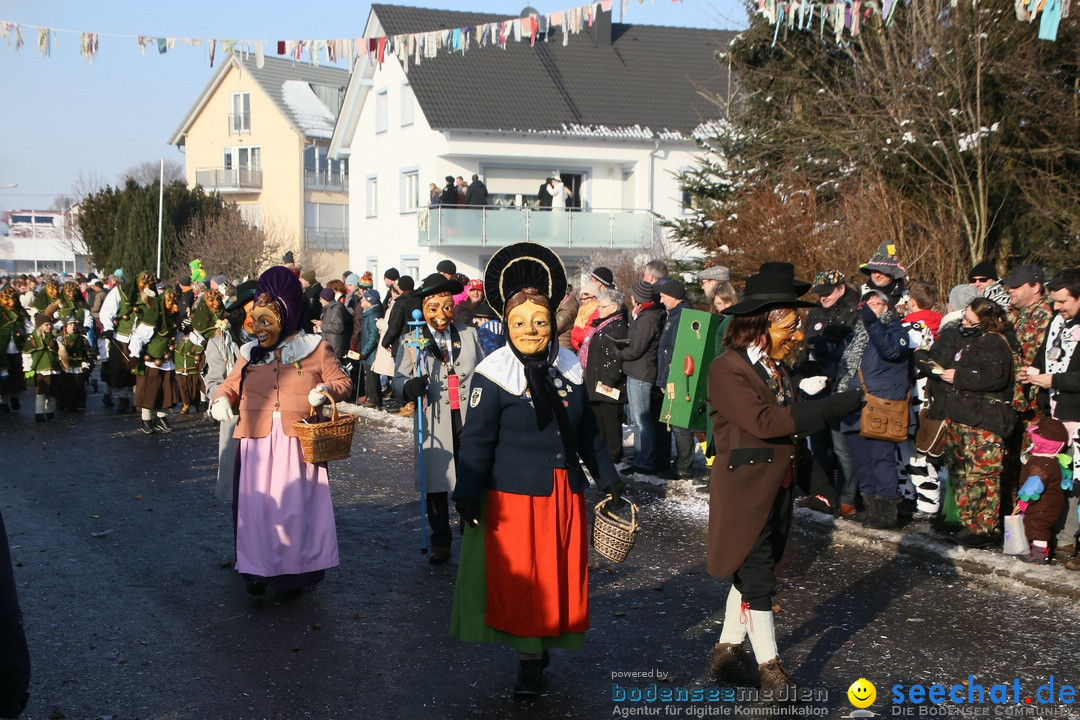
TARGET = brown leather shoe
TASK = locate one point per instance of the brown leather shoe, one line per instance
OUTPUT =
(439, 555)
(407, 410)
(731, 663)
(1073, 564)
(773, 677)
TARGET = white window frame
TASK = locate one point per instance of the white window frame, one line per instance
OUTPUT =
(410, 265)
(382, 110)
(410, 200)
(239, 118)
(408, 104)
(371, 196)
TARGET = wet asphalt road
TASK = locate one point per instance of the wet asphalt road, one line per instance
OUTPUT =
(119, 548)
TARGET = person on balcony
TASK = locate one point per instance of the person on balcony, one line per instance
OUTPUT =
(477, 194)
(449, 193)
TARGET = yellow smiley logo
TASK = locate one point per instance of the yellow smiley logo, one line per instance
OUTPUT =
(862, 693)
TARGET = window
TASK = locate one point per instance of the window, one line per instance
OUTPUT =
(243, 158)
(250, 213)
(410, 190)
(410, 265)
(408, 102)
(323, 173)
(371, 195)
(381, 102)
(240, 117)
(326, 226)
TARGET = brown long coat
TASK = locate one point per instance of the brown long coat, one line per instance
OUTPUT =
(754, 451)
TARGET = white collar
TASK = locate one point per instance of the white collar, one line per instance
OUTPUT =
(754, 353)
(295, 349)
(504, 369)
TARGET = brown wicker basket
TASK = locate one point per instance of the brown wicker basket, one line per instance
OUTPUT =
(326, 441)
(613, 536)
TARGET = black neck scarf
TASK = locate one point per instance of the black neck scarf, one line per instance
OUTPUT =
(539, 376)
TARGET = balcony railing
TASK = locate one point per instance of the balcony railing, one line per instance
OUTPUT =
(239, 123)
(498, 226)
(336, 239)
(326, 180)
(229, 179)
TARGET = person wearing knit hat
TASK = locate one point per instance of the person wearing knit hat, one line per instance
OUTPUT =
(389, 278)
(312, 293)
(1043, 485)
(335, 323)
(640, 367)
(352, 280)
(279, 376)
(984, 276)
(307, 278)
(446, 268)
(673, 298)
(366, 281)
(886, 273)
(587, 299)
(604, 277)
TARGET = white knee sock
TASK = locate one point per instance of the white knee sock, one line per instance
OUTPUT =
(147, 414)
(734, 630)
(39, 404)
(50, 404)
(161, 413)
(762, 636)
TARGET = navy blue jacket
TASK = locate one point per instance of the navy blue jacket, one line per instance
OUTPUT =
(502, 448)
(885, 365)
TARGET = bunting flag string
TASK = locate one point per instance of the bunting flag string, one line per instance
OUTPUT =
(837, 17)
(406, 48)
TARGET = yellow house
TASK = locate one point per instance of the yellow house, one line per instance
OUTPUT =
(259, 136)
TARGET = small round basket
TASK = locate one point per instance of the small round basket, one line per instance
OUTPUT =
(326, 441)
(613, 536)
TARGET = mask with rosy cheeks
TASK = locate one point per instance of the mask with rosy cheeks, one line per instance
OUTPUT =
(7, 298)
(52, 290)
(529, 325)
(784, 334)
(265, 326)
(439, 310)
(212, 298)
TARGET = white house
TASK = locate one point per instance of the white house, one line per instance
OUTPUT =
(42, 241)
(613, 112)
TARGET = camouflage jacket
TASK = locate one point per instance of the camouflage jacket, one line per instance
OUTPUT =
(1030, 324)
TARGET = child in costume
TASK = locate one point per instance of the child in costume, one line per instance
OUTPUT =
(74, 352)
(14, 330)
(152, 347)
(41, 362)
(1046, 475)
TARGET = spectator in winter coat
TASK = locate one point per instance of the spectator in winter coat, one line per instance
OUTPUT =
(586, 309)
(673, 298)
(604, 379)
(400, 314)
(984, 276)
(878, 359)
(335, 323)
(367, 344)
(449, 193)
(886, 274)
(639, 365)
(312, 306)
(477, 194)
(565, 316)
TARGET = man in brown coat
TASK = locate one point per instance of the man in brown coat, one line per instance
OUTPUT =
(751, 489)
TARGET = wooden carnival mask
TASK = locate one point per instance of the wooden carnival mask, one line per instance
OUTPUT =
(171, 302)
(52, 289)
(212, 298)
(71, 290)
(266, 323)
(438, 310)
(8, 298)
(784, 332)
(529, 325)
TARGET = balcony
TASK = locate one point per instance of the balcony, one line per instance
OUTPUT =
(326, 181)
(229, 179)
(498, 226)
(331, 239)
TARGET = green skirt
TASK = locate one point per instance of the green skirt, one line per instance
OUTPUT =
(470, 598)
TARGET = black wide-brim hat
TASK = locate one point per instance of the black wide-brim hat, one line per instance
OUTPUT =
(768, 290)
(437, 284)
(782, 268)
(245, 291)
(524, 265)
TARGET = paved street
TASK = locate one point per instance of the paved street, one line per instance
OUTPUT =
(119, 548)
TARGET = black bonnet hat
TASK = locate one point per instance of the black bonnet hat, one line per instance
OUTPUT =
(523, 265)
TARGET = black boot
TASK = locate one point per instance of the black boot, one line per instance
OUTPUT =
(863, 516)
(106, 400)
(530, 680)
(39, 417)
(886, 515)
(149, 427)
(122, 406)
(162, 424)
(15, 404)
(50, 416)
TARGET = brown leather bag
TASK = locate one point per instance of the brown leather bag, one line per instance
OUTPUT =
(930, 434)
(883, 419)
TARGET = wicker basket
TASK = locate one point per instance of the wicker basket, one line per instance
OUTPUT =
(326, 441)
(613, 536)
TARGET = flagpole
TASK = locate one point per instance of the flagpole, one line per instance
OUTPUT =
(161, 206)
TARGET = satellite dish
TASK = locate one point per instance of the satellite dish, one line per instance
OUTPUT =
(529, 11)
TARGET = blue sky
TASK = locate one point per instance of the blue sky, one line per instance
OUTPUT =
(63, 116)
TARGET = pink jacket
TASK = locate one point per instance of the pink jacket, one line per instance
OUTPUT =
(282, 386)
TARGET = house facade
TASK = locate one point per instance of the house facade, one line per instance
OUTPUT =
(42, 241)
(612, 113)
(259, 135)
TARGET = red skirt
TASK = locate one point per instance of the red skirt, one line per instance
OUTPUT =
(536, 554)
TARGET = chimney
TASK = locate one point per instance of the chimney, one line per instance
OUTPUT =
(600, 31)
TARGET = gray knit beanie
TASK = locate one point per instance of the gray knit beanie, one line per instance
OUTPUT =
(961, 296)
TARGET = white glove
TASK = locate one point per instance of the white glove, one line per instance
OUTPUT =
(813, 385)
(221, 410)
(27, 361)
(315, 397)
(3, 375)
(149, 292)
